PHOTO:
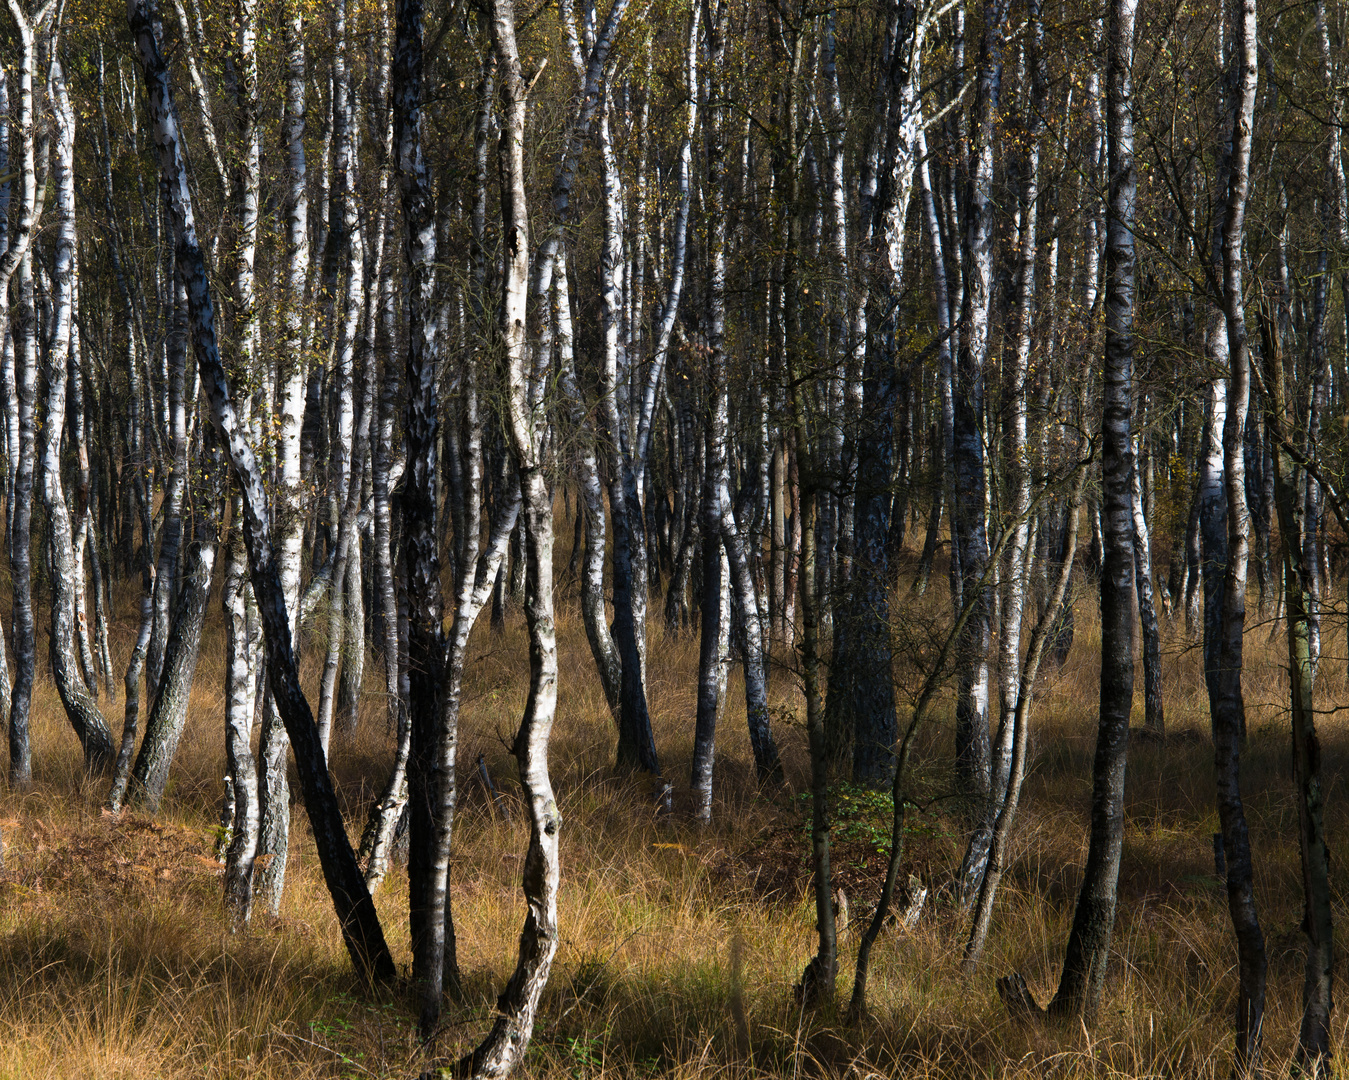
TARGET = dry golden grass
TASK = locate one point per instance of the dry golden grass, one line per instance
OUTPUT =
(679, 948)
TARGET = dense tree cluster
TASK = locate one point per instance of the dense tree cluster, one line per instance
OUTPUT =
(333, 307)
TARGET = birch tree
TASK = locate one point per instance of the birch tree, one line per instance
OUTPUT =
(274, 742)
(16, 268)
(240, 645)
(1084, 966)
(1226, 704)
(356, 913)
(431, 779)
(1317, 995)
(518, 1004)
(80, 704)
(969, 513)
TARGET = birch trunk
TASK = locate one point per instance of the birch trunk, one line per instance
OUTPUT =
(16, 268)
(431, 760)
(121, 773)
(81, 706)
(1016, 457)
(377, 842)
(168, 712)
(274, 743)
(1314, 1045)
(1227, 706)
(361, 930)
(1153, 716)
(636, 743)
(973, 753)
(240, 647)
(346, 259)
(175, 486)
(1088, 950)
(1001, 833)
(77, 423)
(518, 1004)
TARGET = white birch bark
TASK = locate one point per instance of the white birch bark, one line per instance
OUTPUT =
(77, 422)
(518, 1004)
(274, 745)
(1227, 705)
(1017, 467)
(549, 287)
(80, 705)
(969, 510)
(191, 39)
(345, 263)
(636, 743)
(16, 267)
(240, 643)
(1153, 717)
(361, 929)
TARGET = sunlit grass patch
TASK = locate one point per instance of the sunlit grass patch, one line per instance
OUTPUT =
(679, 946)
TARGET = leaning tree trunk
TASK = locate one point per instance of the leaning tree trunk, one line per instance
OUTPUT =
(361, 929)
(121, 773)
(622, 689)
(1002, 826)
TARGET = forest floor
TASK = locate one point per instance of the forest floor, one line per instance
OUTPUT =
(679, 946)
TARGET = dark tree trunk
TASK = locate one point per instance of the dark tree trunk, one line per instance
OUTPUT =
(431, 778)
(168, 713)
(361, 929)
(121, 772)
(1088, 948)
(1314, 1038)
(1227, 706)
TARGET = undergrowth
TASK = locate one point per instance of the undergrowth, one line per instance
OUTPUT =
(679, 947)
